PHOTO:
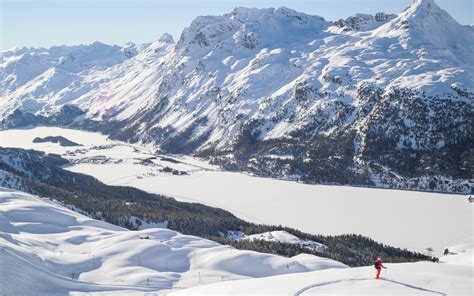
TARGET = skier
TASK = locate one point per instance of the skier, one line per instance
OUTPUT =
(378, 266)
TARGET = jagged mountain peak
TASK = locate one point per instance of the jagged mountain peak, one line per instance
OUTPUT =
(363, 22)
(261, 14)
(251, 28)
(166, 38)
(423, 15)
(424, 3)
(426, 10)
(99, 44)
(163, 43)
(417, 12)
(431, 32)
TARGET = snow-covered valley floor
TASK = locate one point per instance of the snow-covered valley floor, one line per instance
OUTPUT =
(407, 219)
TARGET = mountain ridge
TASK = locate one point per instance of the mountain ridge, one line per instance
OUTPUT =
(361, 107)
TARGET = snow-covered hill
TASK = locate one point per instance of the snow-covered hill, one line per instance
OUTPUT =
(421, 278)
(279, 236)
(47, 249)
(373, 100)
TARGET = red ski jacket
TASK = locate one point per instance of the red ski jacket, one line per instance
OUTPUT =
(380, 264)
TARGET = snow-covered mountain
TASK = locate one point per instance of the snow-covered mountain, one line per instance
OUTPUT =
(382, 100)
(22, 65)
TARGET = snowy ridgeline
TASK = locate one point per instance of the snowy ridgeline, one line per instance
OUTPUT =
(278, 236)
(134, 222)
(275, 92)
(47, 249)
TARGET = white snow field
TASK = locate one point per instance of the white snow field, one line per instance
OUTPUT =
(407, 219)
(460, 254)
(47, 249)
(422, 278)
(278, 236)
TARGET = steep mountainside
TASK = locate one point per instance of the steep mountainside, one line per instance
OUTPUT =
(379, 100)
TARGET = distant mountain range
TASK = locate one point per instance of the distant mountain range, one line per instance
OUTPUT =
(384, 100)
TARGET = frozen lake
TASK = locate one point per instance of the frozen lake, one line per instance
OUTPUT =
(408, 219)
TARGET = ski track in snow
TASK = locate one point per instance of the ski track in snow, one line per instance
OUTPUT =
(420, 278)
(414, 287)
(320, 284)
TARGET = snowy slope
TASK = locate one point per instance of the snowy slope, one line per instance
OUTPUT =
(462, 254)
(429, 219)
(401, 279)
(49, 249)
(279, 236)
(43, 246)
(273, 91)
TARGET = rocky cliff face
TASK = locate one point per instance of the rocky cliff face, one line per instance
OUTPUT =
(364, 22)
(373, 100)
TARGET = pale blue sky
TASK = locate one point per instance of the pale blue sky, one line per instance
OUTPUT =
(54, 22)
